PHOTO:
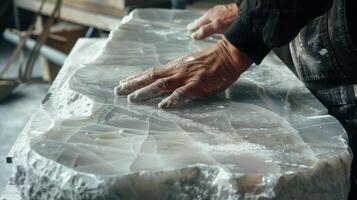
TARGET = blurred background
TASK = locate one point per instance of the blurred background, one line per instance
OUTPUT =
(35, 38)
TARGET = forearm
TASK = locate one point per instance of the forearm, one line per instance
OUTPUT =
(265, 24)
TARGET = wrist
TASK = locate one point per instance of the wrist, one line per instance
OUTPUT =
(237, 59)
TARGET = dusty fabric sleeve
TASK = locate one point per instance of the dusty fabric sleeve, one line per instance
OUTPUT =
(262, 25)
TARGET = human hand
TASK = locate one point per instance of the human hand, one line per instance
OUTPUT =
(216, 20)
(201, 74)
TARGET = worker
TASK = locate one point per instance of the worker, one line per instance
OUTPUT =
(323, 46)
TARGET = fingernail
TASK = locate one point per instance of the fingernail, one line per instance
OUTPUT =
(194, 36)
(163, 105)
(123, 89)
(132, 97)
(191, 27)
(117, 89)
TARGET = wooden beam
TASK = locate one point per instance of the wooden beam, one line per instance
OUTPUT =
(73, 14)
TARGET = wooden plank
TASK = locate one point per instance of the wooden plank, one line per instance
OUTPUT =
(75, 15)
(118, 4)
(105, 7)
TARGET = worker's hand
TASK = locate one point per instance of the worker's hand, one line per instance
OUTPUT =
(205, 73)
(215, 20)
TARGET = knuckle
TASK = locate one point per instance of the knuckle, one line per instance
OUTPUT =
(178, 64)
(217, 21)
(199, 80)
(179, 94)
(217, 7)
(152, 73)
(161, 83)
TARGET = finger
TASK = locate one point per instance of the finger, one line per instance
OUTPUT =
(180, 96)
(130, 78)
(142, 80)
(156, 70)
(166, 69)
(136, 82)
(150, 70)
(207, 30)
(204, 19)
(156, 89)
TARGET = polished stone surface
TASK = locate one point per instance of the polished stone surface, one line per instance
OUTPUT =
(266, 137)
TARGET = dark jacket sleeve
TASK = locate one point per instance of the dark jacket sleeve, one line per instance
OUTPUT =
(262, 25)
(238, 2)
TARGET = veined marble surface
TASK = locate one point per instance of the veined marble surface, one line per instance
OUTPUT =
(266, 137)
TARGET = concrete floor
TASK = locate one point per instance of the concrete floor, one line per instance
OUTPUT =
(15, 111)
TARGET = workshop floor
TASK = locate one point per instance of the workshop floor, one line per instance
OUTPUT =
(15, 111)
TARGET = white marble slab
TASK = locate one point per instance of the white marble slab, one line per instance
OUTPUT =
(266, 137)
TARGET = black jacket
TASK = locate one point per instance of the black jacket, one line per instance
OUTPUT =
(265, 24)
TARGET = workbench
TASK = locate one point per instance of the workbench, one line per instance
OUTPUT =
(315, 164)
